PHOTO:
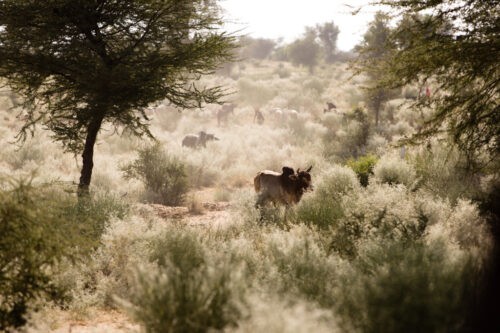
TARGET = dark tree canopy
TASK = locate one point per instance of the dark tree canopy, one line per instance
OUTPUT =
(81, 63)
(456, 45)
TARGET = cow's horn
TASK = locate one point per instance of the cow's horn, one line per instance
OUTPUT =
(309, 168)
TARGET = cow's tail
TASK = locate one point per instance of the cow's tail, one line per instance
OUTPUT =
(256, 183)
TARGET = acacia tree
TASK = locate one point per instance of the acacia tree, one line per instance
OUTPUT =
(82, 63)
(456, 44)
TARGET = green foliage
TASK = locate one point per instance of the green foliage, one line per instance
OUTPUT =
(164, 176)
(373, 50)
(93, 214)
(361, 135)
(394, 170)
(39, 230)
(352, 138)
(410, 287)
(304, 266)
(324, 208)
(185, 292)
(453, 47)
(363, 166)
(443, 170)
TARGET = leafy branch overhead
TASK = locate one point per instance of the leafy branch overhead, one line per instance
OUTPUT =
(76, 61)
(456, 46)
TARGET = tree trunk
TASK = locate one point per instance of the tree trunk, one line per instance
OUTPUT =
(88, 156)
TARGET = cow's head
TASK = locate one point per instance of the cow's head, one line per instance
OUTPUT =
(304, 180)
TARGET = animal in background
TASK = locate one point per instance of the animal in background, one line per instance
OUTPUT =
(329, 107)
(276, 114)
(285, 189)
(282, 115)
(223, 113)
(198, 140)
(258, 117)
(290, 114)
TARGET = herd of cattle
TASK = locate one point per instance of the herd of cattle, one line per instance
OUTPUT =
(277, 115)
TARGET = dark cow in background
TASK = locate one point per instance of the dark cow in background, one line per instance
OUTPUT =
(285, 188)
(258, 117)
(198, 140)
(329, 107)
(224, 112)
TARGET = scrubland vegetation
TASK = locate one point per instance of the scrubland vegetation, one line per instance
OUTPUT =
(394, 237)
(386, 241)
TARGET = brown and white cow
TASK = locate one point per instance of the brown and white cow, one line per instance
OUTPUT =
(284, 188)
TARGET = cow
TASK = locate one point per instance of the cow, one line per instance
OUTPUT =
(198, 140)
(223, 113)
(285, 189)
(258, 116)
(329, 107)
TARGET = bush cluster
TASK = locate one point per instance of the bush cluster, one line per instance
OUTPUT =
(182, 289)
(164, 176)
(363, 166)
(41, 228)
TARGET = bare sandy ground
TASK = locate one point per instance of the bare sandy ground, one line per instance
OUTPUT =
(101, 322)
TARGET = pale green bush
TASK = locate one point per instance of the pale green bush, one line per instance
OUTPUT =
(42, 229)
(164, 176)
(406, 287)
(443, 171)
(184, 290)
(35, 237)
(393, 170)
(303, 265)
(324, 207)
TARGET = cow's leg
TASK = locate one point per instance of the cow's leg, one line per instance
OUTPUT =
(260, 205)
(287, 208)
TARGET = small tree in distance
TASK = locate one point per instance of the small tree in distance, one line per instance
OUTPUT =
(328, 34)
(81, 63)
(373, 51)
(305, 51)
